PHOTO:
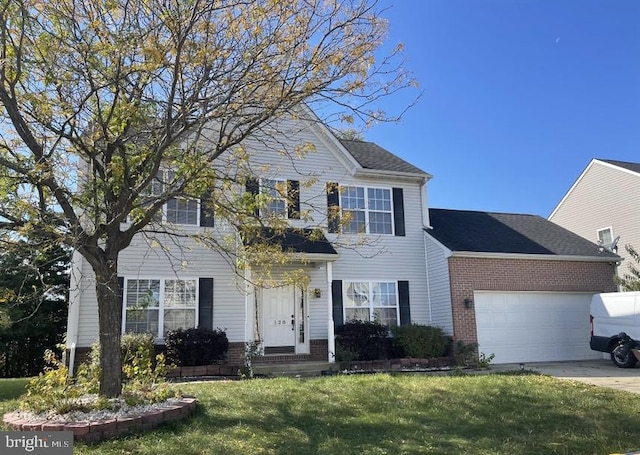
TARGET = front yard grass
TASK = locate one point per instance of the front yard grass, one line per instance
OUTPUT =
(386, 414)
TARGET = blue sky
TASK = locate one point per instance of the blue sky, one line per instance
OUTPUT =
(518, 96)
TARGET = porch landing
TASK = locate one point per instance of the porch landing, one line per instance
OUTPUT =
(301, 369)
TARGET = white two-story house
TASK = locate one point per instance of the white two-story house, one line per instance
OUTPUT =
(372, 268)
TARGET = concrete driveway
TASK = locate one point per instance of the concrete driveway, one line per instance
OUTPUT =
(601, 372)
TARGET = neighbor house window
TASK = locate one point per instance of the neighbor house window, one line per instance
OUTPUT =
(157, 305)
(367, 210)
(605, 237)
(371, 301)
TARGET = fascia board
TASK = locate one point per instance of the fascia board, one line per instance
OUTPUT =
(617, 168)
(535, 257)
(422, 178)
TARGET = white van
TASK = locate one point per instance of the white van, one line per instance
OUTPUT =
(614, 314)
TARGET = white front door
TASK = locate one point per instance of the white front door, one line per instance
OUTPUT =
(279, 317)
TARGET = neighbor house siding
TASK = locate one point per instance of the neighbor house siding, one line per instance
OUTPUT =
(439, 288)
(605, 196)
(488, 274)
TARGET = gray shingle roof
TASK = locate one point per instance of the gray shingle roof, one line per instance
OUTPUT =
(293, 240)
(635, 167)
(372, 156)
(470, 231)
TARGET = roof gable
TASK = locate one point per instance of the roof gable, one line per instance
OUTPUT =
(624, 166)
(484, 232)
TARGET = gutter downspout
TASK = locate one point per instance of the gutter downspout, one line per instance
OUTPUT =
(426, 263)
(73, 316)
(331, 340)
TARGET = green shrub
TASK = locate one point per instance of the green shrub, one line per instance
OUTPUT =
(196, 346)
(465, 354)
(51, 389)
(143, 373)
(362, 340)
(420, 341)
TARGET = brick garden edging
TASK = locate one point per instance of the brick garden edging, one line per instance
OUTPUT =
(204, 370)
(398, 364)
(100, 430)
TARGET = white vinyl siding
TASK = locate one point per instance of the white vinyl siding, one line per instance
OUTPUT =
(439, 286)
(385, 256)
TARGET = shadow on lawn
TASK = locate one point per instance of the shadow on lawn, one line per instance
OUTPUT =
(496, 416)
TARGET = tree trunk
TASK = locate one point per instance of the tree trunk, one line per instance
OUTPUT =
(110, 324)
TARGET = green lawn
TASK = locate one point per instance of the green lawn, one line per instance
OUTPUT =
(383, 414)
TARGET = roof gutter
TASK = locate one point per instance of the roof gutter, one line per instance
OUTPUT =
(537, 257)
(362, 172)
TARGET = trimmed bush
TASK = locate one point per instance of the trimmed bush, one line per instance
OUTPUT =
(195, 346)
(361, 340)
(420, 341)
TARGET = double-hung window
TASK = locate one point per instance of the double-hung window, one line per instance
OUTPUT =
(179, 210)
(276, 190)
(158, 305)
(605, 238)
(367, 210)
(371, 301)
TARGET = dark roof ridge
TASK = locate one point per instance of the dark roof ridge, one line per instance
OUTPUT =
(485, 211)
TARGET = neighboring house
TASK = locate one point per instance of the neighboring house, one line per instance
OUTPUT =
(183, 284)
(603, 206)
(518, 285)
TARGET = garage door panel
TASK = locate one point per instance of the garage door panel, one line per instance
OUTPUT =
(533, 327)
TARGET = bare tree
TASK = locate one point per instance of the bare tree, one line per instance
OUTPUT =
(98, 96)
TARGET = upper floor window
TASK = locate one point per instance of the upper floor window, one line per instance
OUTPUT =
(277, 200)
(367, 210)
(157, 306)
(371, 301)
(283, 197)
(606, 239)
(179, 210)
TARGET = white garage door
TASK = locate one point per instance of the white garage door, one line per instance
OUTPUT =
(533, 327)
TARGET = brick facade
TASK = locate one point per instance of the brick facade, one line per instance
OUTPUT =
(497, 274)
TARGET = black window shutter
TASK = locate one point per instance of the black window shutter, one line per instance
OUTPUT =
(398, 212)
(293, 197)
(206, 210)
(403, 300)
(253, 188)
(333, 202)
(336, 297)
(121, 289)
(205, 303)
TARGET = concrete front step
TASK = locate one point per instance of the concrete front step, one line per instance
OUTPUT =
(295, 369)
